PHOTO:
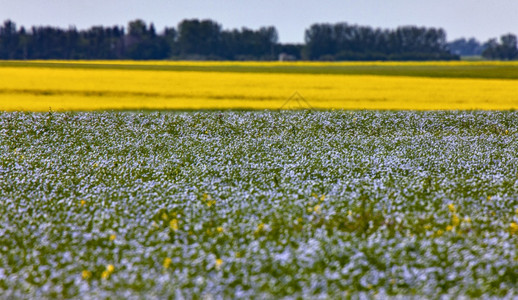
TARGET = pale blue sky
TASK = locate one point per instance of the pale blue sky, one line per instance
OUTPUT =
(482, 19)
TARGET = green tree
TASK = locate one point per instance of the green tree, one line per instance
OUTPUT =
(9, 47)
(197, 37)
(505, 50)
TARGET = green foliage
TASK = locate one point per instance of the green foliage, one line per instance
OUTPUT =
(193, 39)
(466, 47)
(342, 41)
(507, 49)
(206, 40)
(258, 204)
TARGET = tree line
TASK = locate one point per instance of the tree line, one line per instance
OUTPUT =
(207, 40)
(505, 49)
(343, 41)
(192, 39)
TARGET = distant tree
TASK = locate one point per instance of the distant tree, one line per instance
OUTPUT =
(505, 50)
(412, 39)
(197, 37)
(48, 43)
(171, 39)
(24, 42)
(269, 37)
(320, 41)
(465, 47)
(9, 39)
(205, 39)
(142, 42)
(248, 44)
(508, 46)
(342, 41)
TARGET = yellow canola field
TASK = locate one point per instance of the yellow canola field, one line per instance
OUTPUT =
(61, 89)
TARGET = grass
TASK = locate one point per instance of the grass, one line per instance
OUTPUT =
(258, 204)
(483, 70)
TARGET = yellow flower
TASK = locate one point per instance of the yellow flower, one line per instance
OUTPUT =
(96, 165)
(206, 197)
(174, 224)
(322, 198)
(86, 274)
(105, 275)
(439, 232)
(317, 208)
(112, 237)
(219, 262)
(164, 216)
(419, 93)
(513, 227)
(167, 262)
(455, 221)
(110, 268)
(220, 229)
(83, 202)
(259, 228)
(427, 226)
(451, 207)
(310, 209)
(488, 198)
(449, 228)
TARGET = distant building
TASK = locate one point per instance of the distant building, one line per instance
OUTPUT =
(286, 57)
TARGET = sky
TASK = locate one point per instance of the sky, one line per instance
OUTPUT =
(482, 19)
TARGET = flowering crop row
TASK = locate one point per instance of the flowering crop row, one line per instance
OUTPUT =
(258, 204)
(37, 88)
